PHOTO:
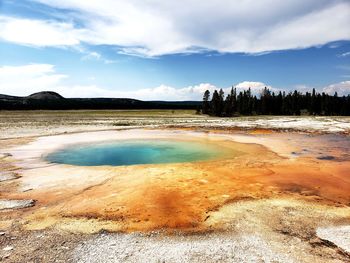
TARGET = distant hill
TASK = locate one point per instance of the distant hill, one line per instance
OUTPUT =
(8, 97)
(45, 95)
(49, 100)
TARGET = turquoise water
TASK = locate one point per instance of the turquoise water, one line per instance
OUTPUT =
(135, 152)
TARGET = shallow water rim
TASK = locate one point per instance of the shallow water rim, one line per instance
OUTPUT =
(144, 151)
(32, 155)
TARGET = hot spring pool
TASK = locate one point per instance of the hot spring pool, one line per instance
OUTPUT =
(136, 152)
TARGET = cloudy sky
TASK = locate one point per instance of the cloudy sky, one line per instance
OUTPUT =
(172, 50)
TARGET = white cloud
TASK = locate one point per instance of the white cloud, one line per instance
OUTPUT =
(27, 79)
(92, 56)
(162, 92)
(155, 27)
(255, 86)
(342, 88)
(38, 32)
(346, 54)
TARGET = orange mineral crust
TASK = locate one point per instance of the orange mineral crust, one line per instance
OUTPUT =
(175, 196)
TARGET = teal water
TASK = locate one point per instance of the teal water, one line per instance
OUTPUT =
(135, 152)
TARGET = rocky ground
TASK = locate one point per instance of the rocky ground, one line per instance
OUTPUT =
(268, 234)
(276, 231)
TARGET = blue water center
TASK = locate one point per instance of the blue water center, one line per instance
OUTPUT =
(136, 152)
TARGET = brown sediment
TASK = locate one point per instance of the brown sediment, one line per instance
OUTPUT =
(14, 142)
(261, 131)
(174, 196)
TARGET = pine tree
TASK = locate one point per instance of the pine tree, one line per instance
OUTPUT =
(233, 100)
(228, 106)
(313, 102)
(221, 102)
(215, 104)
(206, 103)
(293, 103)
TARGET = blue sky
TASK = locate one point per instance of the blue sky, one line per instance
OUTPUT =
(173, 51)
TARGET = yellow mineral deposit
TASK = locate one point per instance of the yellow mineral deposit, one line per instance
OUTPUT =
(190, 196)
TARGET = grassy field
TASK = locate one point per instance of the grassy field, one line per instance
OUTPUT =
(109, 113)
(14, 124)
(33, 123)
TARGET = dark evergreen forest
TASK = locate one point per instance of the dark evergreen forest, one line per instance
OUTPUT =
(270, 103)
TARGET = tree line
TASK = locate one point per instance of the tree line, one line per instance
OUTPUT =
(271, 103)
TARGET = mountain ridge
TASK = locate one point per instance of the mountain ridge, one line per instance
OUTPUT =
(49, 100)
